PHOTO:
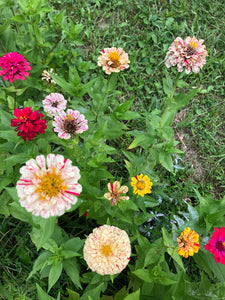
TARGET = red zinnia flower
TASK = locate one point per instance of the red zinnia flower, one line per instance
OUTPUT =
(28, 123)
(217, 245)
(14, 66)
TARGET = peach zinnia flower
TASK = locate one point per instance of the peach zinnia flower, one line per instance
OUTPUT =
(107, 250)
(142, 184)
(54, 103)
(48, 187)
(189, 54)
(113, 60)
(188, 243)
(216, 245)
(114, 192)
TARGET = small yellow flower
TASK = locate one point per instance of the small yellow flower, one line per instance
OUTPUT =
(188, 243)
(142, 184)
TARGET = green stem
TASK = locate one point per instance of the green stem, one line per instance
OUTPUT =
(15, 95)
(3, 48)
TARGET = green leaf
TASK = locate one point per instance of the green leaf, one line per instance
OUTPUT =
(71, 268)
(133, 296)
(167, 85)
(142, 139)
(166, 160)
(40, 262)
(67, 87)
(144, 274)
(154, 253)
(93, 293)
(73, 295)
(142, 217)
(55, 272)
(74, 244)
(4, 26)
(42, 295)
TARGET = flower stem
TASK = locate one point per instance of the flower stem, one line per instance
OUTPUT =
(15, 95)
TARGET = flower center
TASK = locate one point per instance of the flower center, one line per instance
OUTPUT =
(115, 198)
(220, 245)
(114, 60)
(70, 125)
(106, 250)
(55, 104)
(51, 185)
(191, 48)
(22, 118)
(140, 185)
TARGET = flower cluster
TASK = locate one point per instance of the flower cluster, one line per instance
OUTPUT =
(29, 123)
(107, 250)
(188, 243)
(188, 54)
(14, 67)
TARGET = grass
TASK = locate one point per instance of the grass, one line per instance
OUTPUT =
(145, 29)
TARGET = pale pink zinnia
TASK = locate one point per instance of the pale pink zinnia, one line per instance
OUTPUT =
(107, 250)
(14, 66)
(69, 123)
(189, 54)
(115, 191)
(48, 187)
(54, 103)
(113, 60)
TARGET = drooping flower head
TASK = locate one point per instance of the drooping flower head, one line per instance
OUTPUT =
(107, 250)
(188, 243)
(113, 60)
(14, 66)
(142, 184)
(69, 123)
(115, 190)
(29, 123)
(189, 54)
(54, 103)
(216, 245)
(48, 187)
(45, 76)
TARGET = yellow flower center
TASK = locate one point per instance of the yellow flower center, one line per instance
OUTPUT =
(106, 250)
(140, 185)
(193, 44)
(70, 117)
(114, 59)
(51, 185)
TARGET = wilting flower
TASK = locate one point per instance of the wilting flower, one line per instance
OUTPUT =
(188, 243)
(142, 184)
(54, 103)
(107, 250)
(114, 192)
(69, 123)
(48, 187)
(29, 123)
(216, 245)
(113, 60)
(14, 66)
(189, 54)
(45, 76)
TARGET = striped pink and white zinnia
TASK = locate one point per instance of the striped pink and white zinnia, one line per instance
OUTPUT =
(107, 250)
(69, 123)
(48, 186)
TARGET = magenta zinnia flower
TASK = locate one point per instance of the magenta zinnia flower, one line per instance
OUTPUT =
(189, 54)
(29, 123)
(107, 250)
(48, 187)
(69, 123)
(14, 66)
(54, 103)
(216, 245)
(113, 60)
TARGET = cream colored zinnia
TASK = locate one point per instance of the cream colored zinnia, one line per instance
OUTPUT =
(107, 250)
(113, 60)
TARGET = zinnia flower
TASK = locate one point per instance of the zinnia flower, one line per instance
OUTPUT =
(142, 184)
(216, 245)
(113, 60)
(189, 54)
(114, 192)
(47, 77)
(107, 250)
(14, 66)
(69, 123)
(188, 243)
(54, 103)
(29, 123)
(48, 187)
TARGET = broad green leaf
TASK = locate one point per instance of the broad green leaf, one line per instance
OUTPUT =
(42, 295)
(73, 295)
(144, 274)
(54, 274)
(140, 140)
(166, 160)
(133, 296)
(155, 252)
(142, 217)
(74, 244)
(71, 268)
(167, 238)
(39, 262)
(93, 293)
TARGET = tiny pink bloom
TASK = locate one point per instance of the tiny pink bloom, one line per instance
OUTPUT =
(189, 54)
(216, 245)
(69, 123)
(113, 60)
(54, 103)
(115, 191)
(14, 67)
(48, 187)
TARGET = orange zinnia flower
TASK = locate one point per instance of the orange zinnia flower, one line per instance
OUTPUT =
(188, 242)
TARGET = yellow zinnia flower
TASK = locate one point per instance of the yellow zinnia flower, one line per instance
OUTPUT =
(188, 242)
(142, 184)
